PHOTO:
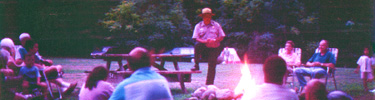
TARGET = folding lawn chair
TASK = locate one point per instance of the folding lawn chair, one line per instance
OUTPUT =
(49, 86)
(330, 71)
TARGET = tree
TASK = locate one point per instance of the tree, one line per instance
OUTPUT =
(155, 24)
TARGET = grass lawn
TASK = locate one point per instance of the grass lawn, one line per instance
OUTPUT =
(227, 77)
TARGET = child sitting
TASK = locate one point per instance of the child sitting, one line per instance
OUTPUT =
(364, 63)
(50, 71)
(31, 76)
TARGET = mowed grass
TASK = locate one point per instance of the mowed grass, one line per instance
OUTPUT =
(227, 77)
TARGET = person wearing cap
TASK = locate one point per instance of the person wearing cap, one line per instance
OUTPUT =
(23, 38)
(144, 83)
(208, 34)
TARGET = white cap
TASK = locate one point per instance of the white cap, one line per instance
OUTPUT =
(24, 35)
(7, 42)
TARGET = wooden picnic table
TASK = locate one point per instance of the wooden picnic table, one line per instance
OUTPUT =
(163, 57)
(176, 75)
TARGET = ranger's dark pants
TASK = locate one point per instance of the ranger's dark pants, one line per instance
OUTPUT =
(201, 52)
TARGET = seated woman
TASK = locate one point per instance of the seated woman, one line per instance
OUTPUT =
(96, 87)
(290, 56)
(51, 71)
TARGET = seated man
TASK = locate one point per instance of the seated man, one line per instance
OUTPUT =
(317, 64)
(143, 84)
(274, 69)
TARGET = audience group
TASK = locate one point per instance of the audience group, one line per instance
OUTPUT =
(276, 68)
(23, 68)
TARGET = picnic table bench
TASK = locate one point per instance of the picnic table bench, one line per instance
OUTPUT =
(176, 75)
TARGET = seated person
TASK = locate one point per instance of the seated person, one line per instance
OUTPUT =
(96, 87)
(314, 90)
(31, 76)
(290, 56)
(20, 49)
(51, 71)
(8, 81)
(274, 69)
(143, 84)
(316, 66)
(8, 45)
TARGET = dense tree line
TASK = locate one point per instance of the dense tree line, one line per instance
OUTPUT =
(254, 27)
(257, 28)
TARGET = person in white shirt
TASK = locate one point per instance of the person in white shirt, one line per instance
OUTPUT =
(364, 64)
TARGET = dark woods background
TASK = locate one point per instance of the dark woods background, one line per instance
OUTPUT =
(258, 28)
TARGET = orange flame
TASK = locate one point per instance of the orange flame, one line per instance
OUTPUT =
(246, 81)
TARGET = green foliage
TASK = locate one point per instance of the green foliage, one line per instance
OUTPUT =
(252, 26)
(154, 23)
(262, 46)
(309, 49)
(122, 15)
(262, 15)
(238, 40)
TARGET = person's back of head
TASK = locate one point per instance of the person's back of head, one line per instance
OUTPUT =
(139, 57)
(315, 90)
(339, 95)
(7, 44)
(274, 69)
(97, 74)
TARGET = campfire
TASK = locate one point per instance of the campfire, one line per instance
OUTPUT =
(245, 86)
